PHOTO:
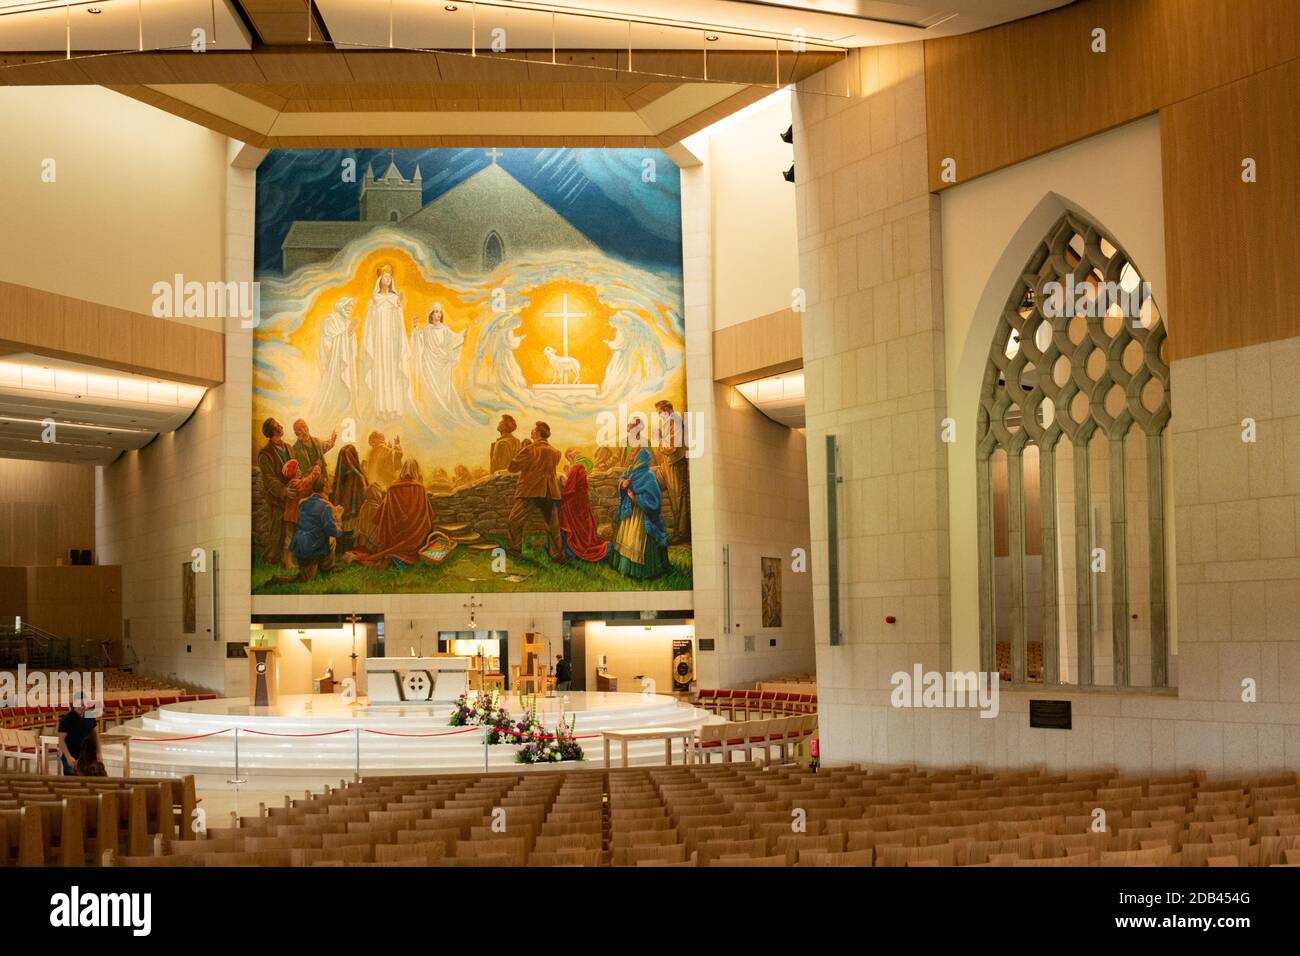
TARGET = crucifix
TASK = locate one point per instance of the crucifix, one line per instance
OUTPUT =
(473, 625)
(494, 153)
(353, 621)
(565, 315)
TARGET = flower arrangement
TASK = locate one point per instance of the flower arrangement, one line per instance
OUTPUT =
(544, 748)
(483, 708)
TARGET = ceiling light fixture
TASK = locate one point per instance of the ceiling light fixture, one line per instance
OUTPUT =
(94, 11)
(451, 8)
(711, 37)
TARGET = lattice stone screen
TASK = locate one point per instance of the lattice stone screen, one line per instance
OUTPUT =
(1077, 352)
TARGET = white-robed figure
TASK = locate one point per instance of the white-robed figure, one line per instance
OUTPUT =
(337, 354)
(437, 352)
(385, 352)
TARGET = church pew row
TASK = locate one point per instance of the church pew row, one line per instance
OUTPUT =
(73, 821)
(750, 815)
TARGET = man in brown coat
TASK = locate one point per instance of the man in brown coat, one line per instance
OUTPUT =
(271, 459)
(676, 477)
(537, 487)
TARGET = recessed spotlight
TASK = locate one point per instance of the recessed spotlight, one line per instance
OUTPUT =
(451, 8)
(94, 11)
(711, 37)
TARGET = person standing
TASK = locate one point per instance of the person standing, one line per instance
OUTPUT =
(385, 350)
(563, 674)
(75, 728)
(271, 459)
(310, 451)
(640, 546)
(337, 359)
(435, 351)
(384, 460)
(676, 470)
(536, 488)
(506, 447)
(349, 493)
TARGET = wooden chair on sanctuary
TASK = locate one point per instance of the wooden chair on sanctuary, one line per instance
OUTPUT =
(532, 670)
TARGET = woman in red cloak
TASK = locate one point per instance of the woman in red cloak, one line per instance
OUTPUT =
(577, 523)
(405, 520)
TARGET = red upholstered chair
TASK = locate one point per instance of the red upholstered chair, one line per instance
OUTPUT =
(722, 701)
(718, 738)
(745, 703)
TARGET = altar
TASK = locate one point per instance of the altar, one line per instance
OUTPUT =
(406, 680)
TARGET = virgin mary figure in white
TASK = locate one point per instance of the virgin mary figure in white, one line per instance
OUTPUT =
(385, 351)
(437, 352)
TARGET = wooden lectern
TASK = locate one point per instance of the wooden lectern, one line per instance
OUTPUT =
(531, 671)
(263, 675)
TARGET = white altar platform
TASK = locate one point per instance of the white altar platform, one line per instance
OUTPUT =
(388, 734)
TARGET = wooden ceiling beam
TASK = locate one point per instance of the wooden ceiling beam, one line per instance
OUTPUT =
(324, 64)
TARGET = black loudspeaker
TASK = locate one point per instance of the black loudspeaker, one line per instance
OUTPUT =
(78, 556)
(788, 135)
(86, 559)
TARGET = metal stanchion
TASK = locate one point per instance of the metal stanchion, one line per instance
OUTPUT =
(358, 774)
(237, 778)
(485, 748)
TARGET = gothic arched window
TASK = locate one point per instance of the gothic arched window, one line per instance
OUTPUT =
(392, 216)
(1069, 530)
(494, 251)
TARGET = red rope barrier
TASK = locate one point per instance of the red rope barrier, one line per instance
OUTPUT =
(379, 733)
(164, 740)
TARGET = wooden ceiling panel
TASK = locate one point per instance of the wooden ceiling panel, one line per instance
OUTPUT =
(208, 68)
(392, 66)
(40, 69)
(127, 69)
(282, 21)
(272, 96)
(322, 64)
